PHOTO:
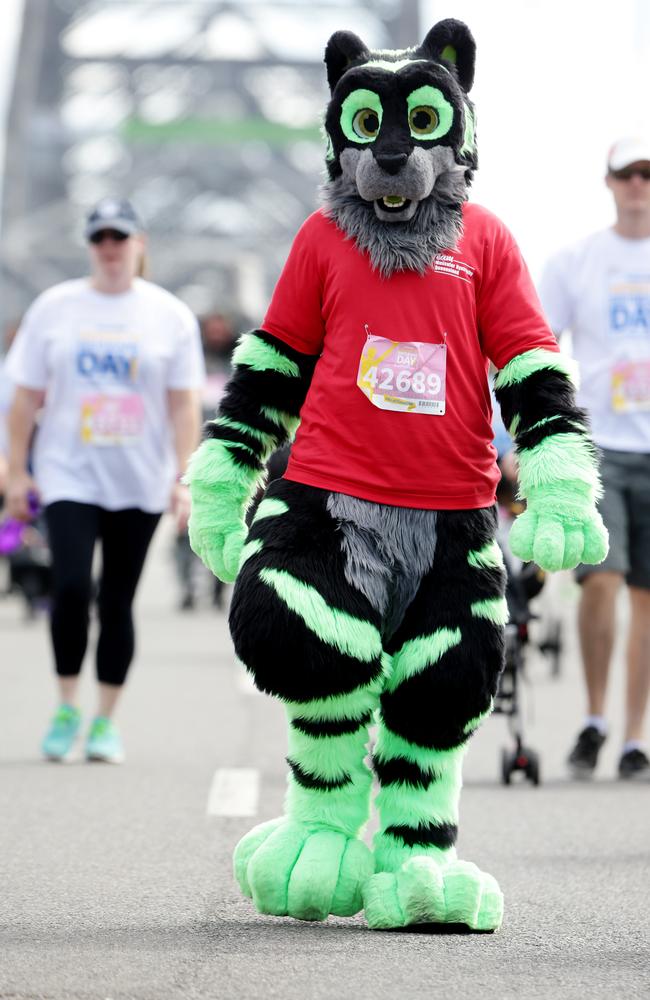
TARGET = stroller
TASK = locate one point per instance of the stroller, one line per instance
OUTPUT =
(521, 587)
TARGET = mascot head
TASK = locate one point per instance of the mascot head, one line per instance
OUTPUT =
(401, 144)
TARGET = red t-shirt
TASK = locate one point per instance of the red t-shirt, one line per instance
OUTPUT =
(478, 299)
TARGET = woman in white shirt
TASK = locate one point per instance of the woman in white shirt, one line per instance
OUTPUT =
(113, 363)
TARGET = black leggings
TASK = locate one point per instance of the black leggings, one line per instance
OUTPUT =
(73, 528)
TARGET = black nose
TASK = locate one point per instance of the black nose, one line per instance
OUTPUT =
(392, 163)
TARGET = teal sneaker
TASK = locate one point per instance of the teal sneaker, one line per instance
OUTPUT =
(103, 742)
(60, 737)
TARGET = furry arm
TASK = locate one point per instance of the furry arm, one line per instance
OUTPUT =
(259, 412)
(558, 468)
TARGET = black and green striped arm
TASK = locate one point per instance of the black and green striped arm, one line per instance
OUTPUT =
(536, 393)
(260, 410)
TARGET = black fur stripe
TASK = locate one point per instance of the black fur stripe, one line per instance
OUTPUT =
(330, 727)
(243, 457)
(425, 834)
(563, 425)
(307, 780)
(545, 393)
(220, 433)
(400, 771)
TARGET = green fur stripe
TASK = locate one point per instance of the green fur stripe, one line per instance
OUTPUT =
(262, 357)
(328, 758)
(342, 706)
(548, 420)
(401, 806)
(495, 609)
(468, 136)
(337, 628)
(250, 549)
(270, 508)
(479, 719)
(266, 439)
(285, 421)
(418, 654)
(489, 557)
(212, 465)
(390, 745)
(526, 364)
(559, 457)
(240, 444)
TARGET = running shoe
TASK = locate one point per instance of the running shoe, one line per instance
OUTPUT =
(103, 742)
(60, 737)
(584, 756)
(634, 764)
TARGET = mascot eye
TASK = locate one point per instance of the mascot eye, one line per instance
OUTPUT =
(423, 120)
(430, 113)
(366, 123)
(361, 115)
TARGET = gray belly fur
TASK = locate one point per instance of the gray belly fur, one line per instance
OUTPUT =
(387, 552)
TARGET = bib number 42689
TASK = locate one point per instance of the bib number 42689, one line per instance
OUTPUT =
(408, 377)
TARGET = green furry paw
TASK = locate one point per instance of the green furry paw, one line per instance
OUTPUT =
(220, 490)
(296, 870)
(425, 892)
(559, 529)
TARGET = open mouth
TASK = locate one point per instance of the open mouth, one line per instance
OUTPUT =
(393, 203)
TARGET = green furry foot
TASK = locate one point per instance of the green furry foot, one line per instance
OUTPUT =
(292, 869)
(425, 892)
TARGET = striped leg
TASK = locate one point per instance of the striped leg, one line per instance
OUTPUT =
(312, 640)
(446, 659)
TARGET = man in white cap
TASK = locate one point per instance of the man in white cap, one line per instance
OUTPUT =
(600, 290)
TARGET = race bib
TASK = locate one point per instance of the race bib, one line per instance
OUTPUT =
(631, 386)
(110, 420)
(408, 377)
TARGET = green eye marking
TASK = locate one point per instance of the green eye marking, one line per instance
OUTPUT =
(430, 113)
(361, 115)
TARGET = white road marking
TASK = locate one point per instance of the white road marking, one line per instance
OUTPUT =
(235, 791)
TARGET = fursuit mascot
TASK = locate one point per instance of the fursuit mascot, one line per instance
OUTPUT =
(369, 589)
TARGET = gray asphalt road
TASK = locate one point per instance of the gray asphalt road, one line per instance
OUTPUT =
(115, 882)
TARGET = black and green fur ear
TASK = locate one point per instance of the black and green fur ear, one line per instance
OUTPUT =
(343, 50)
(451, 41)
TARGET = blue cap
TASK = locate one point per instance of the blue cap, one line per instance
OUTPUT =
(113, 213)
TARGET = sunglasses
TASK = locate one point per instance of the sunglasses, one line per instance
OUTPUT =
(627, 173)
(112, 234)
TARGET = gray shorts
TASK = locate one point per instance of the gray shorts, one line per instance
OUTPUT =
(625, 509)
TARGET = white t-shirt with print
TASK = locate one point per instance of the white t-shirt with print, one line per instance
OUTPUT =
(600, 291)
(106, 363)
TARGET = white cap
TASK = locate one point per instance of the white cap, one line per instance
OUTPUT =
(632, 149)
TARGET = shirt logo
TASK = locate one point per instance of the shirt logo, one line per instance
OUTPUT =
(107, 358)
(444, 263)
(629, 306)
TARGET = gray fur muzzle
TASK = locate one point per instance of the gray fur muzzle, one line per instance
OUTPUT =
(413, 182)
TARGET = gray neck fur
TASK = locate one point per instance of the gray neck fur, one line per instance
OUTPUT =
(400, 246)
